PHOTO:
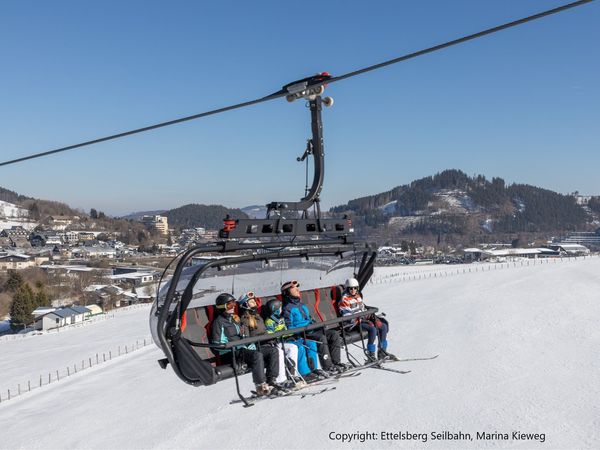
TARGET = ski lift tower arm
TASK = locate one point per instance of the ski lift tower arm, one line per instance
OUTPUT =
(310, 89)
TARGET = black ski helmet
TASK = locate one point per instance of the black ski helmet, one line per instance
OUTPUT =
(223, 299)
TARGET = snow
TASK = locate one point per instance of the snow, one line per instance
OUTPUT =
(25, 358)
(390, 207)
(10, 210)
(518, 352)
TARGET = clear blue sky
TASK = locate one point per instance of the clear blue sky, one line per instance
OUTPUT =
(522, 104)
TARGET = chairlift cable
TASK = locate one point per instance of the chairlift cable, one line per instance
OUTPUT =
(283, 92)
(459, 40)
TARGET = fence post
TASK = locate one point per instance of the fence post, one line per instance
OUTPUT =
(75, 367)
(40, 380)
(57, 376)
(68, 371)
(9, 394)
(96, 358)
(49, 378)
(125, 349)
(119, 350)
(82, 365)
(90, 359)
(103, 357)
(28, 386)
(110, 354)
(19, 387)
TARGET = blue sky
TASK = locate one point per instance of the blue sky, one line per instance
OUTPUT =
(521, 104)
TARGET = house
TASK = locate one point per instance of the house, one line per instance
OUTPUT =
(45, 238)
(15, 261)
(15, 231)
(93, 252)
(570, 249)
(61, 317)
(60, 222)
(136, 278)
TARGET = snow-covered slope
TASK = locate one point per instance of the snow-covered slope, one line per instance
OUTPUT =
(518, 353)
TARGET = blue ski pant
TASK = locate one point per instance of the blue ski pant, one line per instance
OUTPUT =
(374, 332)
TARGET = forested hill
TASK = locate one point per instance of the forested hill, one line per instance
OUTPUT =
(38, 209)
(458, 201)
(207, 216)
(11, 197)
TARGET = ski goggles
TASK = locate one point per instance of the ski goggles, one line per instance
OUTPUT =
(246, 297)
(289, 284)
(275, 305)
(229, 305)
(353, 287)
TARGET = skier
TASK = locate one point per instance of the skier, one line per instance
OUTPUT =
(329, 342)
(252, 324)
(295, 349)
(226, 328)
(352, 303)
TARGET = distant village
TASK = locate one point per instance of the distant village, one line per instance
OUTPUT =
(93, 270)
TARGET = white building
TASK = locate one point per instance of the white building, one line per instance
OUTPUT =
(62, 317)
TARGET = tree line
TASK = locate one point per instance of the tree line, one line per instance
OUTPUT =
(514, 208)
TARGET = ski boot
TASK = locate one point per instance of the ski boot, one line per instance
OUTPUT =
(263, 390)
(341, 367)
(277, 389)
(312, 377)
(385, 355)
(322, 374)
(371, 356)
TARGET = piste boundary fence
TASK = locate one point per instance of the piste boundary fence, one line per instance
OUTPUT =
(445, 270)
(52, 377)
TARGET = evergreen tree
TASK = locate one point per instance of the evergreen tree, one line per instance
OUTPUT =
(41, 298)
(22, 306)
(14, 281)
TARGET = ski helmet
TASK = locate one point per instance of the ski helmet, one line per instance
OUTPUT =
(274, 305)
(223, 299)
(245, 298)
(352, 282)
(288, 285)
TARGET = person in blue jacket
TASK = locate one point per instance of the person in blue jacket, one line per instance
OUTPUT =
(274, 323)
(296, 314)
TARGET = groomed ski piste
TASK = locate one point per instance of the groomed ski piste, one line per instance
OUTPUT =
(518, 348)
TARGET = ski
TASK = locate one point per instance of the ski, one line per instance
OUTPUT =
(389, 369)
(356, 370)
(303, 394)
(347, 374)
(254, 398)
(415, 359)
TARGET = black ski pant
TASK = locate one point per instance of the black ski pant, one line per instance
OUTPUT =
(257, 360)
(329, 346)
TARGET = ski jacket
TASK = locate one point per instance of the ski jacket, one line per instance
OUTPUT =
(252, 324)
(351, 304)
(225, 329)
(295, 313)
(277, 323)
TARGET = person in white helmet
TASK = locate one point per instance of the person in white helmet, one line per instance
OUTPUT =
(352, 303)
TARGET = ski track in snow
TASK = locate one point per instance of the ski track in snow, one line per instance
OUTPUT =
(518, 351)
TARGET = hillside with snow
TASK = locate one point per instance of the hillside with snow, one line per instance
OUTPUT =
(518, 346)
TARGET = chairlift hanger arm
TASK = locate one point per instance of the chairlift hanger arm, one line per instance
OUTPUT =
(290, 88)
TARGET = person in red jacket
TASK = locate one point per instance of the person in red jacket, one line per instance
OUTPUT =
(352, 303)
